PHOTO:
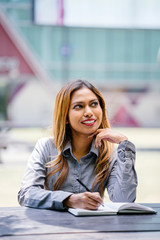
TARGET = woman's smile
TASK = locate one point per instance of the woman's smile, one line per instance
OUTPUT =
(89, 122)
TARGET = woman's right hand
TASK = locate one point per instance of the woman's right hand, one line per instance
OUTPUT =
(86, 200)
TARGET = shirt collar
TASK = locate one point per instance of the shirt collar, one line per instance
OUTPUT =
(94, 149)
(68, 148)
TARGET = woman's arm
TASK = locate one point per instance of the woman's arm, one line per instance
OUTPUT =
(122, 181)
(32, 192)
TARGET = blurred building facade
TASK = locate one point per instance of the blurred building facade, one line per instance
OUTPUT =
(122, 62)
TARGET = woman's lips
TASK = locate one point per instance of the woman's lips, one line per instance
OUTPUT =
(89, 122)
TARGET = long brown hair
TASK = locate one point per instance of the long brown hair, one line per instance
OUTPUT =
(62, 134)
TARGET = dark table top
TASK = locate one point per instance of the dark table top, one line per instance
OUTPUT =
(28, 223)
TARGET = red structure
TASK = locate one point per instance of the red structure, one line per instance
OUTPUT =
(17, 63)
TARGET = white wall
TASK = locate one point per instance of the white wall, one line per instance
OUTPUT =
(32, 106)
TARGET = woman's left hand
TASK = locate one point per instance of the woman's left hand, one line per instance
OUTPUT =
(109, 135)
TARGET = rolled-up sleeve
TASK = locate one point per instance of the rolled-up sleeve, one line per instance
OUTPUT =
(32, 192)
(122, 181)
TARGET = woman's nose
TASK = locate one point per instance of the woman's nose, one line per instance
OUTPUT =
(88, 112)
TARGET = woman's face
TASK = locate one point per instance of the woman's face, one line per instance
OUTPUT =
(85, 112)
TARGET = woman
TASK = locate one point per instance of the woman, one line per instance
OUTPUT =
(82, 149)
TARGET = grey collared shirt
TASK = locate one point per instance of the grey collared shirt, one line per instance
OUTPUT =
(121, 182)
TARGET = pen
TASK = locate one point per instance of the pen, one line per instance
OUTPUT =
(83, 185)
(86, 188)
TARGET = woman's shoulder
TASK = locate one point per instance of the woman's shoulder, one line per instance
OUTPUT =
(47, 144)
(46, 140)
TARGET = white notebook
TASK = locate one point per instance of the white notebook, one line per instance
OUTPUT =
(111, 208)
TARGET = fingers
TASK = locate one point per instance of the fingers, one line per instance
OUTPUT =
(95, 197)
(86, 200)
(109, 135)
(101, 134)
(93, 200)
(99, 137)
(93, 134)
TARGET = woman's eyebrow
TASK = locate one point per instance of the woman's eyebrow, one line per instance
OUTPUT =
(77, 103)
(95, 99)
(81, 102)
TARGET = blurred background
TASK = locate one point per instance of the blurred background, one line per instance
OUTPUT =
(114, 44)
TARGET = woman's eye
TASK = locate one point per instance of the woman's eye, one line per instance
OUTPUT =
(78, 106)
(94, 104)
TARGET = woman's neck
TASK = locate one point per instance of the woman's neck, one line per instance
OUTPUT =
(81, 146)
